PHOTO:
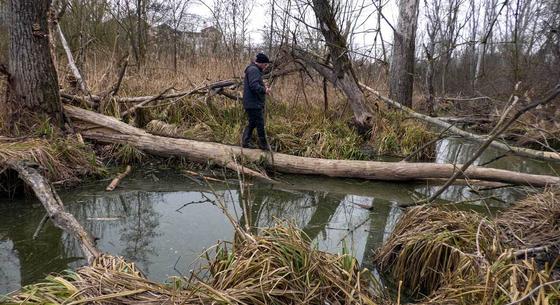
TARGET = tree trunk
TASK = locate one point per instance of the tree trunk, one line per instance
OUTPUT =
(46, 193)
(107, 129)
(430, 101)
(344, 77)
(33, 93)
(401, 77)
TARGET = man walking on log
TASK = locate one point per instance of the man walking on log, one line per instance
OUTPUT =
(254, 91)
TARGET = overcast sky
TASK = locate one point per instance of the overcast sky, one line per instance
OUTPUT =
(259, 19)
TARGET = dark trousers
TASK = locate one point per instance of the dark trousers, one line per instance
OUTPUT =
(256, 120)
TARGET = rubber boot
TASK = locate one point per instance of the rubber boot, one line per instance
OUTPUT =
(246, 138)
(263, 144)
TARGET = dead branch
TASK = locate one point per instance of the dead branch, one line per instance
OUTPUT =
(117, 86)
(527, 152)
(55, 208)
(75, 71)
(498, 130)
(119, 178)
(40, 226)
(140, 105)
(91, 101)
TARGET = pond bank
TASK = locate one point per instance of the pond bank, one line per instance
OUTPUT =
(231, 275)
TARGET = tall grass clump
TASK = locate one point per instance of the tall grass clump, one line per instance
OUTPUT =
(395, 134)
(279, 266)
(295, 129)
(454, 257)
(430, 246)
(533, 222)
(62, 159)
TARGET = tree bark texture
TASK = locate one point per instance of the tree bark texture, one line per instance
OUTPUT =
(344, 77)
(401, 76)
(107, 129)
(32, 79)
(45, 192)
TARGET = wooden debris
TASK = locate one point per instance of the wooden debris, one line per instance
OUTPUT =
(118, 178)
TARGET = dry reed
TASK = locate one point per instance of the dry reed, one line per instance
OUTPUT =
(297, 122)
(455, 257)
(277, 267)
(61, 159)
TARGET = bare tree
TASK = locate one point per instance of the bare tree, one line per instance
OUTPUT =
(490, 18)
(177, 12)
(433, 28)
(33, 91)
(402, 62)
(342, 73)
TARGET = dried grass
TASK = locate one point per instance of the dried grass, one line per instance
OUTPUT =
(533, 222)
(455, 257)
(277, 267)
(296, 122)
(61, 159)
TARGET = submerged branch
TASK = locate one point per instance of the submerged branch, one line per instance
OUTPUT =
(55, 208)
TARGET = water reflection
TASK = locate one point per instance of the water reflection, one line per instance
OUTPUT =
(457, 151)
(165, 226)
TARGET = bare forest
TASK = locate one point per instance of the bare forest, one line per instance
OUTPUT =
(456, 101)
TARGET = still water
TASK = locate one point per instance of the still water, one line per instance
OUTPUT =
(163, 221)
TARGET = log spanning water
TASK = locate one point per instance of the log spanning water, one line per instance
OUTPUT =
(107, 129)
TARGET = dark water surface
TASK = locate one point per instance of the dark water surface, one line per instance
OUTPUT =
(164, 224)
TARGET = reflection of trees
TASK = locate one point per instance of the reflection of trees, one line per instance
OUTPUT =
(348, 226)
(34, 258)
(271, 206)
(137, 221)
(382, 216)
(140, 229)
(327, 207)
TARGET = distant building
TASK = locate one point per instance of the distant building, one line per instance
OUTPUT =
(207, 40)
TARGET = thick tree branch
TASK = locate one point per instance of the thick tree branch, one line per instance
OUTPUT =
(45, 192)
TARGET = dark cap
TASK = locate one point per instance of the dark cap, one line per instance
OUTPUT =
(262, 59)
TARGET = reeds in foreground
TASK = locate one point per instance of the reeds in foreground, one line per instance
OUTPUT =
(279, 266)
(454, 257)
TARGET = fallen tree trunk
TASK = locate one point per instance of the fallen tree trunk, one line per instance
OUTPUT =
(106, 129)
(527, 152)
(55, 208)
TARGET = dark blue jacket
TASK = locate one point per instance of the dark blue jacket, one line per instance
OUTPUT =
(253, 88)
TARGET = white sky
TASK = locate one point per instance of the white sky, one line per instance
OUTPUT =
(260, 19)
